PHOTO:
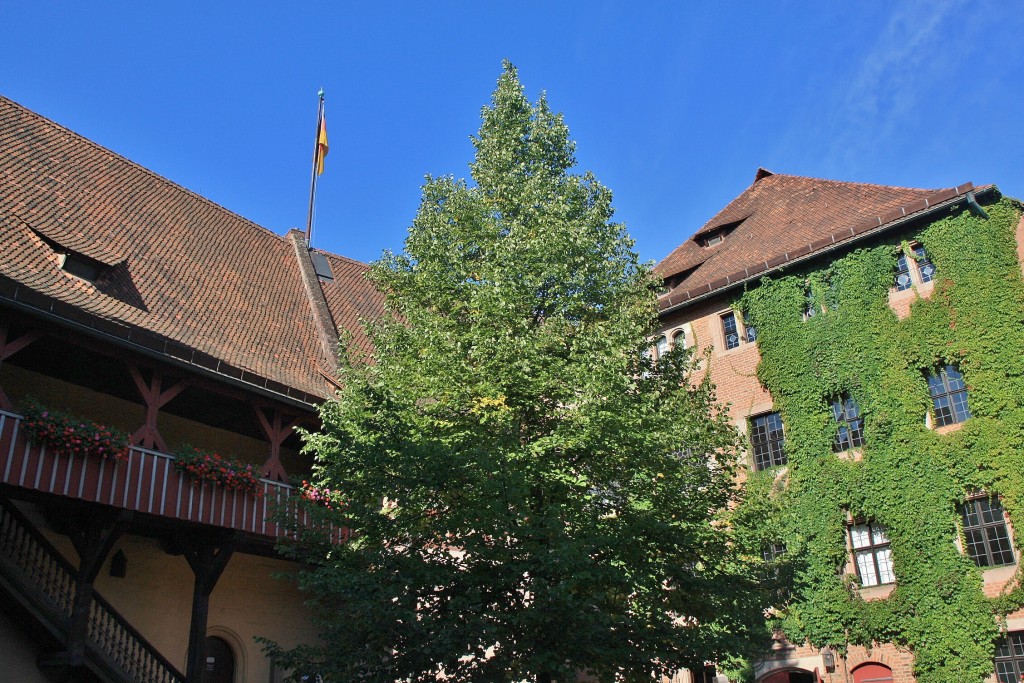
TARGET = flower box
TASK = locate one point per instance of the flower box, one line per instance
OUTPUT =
(68, 435)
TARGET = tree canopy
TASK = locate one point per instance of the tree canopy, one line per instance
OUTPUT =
(530, 492)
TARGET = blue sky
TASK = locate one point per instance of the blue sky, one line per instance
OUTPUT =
(673, 105)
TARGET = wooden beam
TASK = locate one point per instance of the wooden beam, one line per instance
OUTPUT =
(276, 431)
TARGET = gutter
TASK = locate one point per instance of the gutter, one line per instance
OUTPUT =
(217, 370)
(834, 242)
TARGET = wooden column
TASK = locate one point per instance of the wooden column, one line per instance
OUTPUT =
(9, 347)
(276, 432)
(207, 557)
(148, 436)
(93, 530)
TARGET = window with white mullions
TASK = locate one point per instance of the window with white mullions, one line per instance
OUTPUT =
(850, 433)
(985, 533)
(871, 554)
(1009, 659)
(662, 346)
(949, 395)
(767, 441)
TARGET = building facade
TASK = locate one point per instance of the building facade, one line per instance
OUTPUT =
(867, 341)
(128, 302)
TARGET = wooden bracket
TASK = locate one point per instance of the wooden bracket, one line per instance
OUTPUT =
(148, 436)
(276, 431)
(9, 347)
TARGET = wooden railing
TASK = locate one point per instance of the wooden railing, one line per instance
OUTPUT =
(146, 482)
(48, 581)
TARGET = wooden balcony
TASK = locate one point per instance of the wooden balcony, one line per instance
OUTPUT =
(146, 482)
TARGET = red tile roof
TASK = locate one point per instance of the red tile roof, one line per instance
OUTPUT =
(185, 276)
(781, 218)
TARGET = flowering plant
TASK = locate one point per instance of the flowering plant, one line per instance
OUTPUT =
(320, 495)
(68, 435)
(234, 475)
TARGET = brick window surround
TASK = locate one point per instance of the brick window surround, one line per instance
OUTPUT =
(734, 332)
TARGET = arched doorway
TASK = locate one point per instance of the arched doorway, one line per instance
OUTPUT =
(220, 661)
(872, 673)
(790, 676)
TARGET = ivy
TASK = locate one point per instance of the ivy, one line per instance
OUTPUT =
(910, 478)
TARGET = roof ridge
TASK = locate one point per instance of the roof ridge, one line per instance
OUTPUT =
(139, 167)
(846, 183)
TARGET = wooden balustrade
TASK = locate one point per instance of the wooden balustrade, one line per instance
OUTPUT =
(146, 482)
(47, 580)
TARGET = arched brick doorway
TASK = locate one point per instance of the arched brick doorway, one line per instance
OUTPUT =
(790, 676)
(872, 673)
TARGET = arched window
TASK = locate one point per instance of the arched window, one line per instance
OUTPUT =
(872, 673)
(679, 339)
(220, 661)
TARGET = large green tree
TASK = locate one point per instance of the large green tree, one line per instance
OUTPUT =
(529, 493)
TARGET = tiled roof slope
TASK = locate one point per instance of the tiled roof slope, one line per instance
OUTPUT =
(351, 297)
(185, 272)
(780, 218)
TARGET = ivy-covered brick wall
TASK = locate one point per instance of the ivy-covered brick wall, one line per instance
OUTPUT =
(907, 476)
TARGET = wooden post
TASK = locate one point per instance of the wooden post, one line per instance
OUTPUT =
(93, 539)
(207, 557)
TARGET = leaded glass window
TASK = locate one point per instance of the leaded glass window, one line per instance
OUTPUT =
(985, 534)
(850, 434)
(924, 265)
(767, 440)
(949, 395)
(730, 330)
(871, 554)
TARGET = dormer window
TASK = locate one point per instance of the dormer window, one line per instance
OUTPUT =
(713, 239)
(80, 266)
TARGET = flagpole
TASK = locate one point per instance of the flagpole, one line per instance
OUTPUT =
(316, 159)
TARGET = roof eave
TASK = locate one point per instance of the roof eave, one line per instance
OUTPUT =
(808, 252)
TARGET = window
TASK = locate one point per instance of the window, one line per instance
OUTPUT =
(851, 425)
(810, 308)
(949, 395)
(735, 332)
(871, 554)
(767, 440)
(905, 268)
(81, 267)
(679, 339)
(662, 346)
(985, 534)
(1009, 658)
(714, 238)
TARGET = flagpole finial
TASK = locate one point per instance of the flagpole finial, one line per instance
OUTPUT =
(321, 93)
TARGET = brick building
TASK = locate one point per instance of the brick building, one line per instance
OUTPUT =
(129, 301)
(825, 440)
